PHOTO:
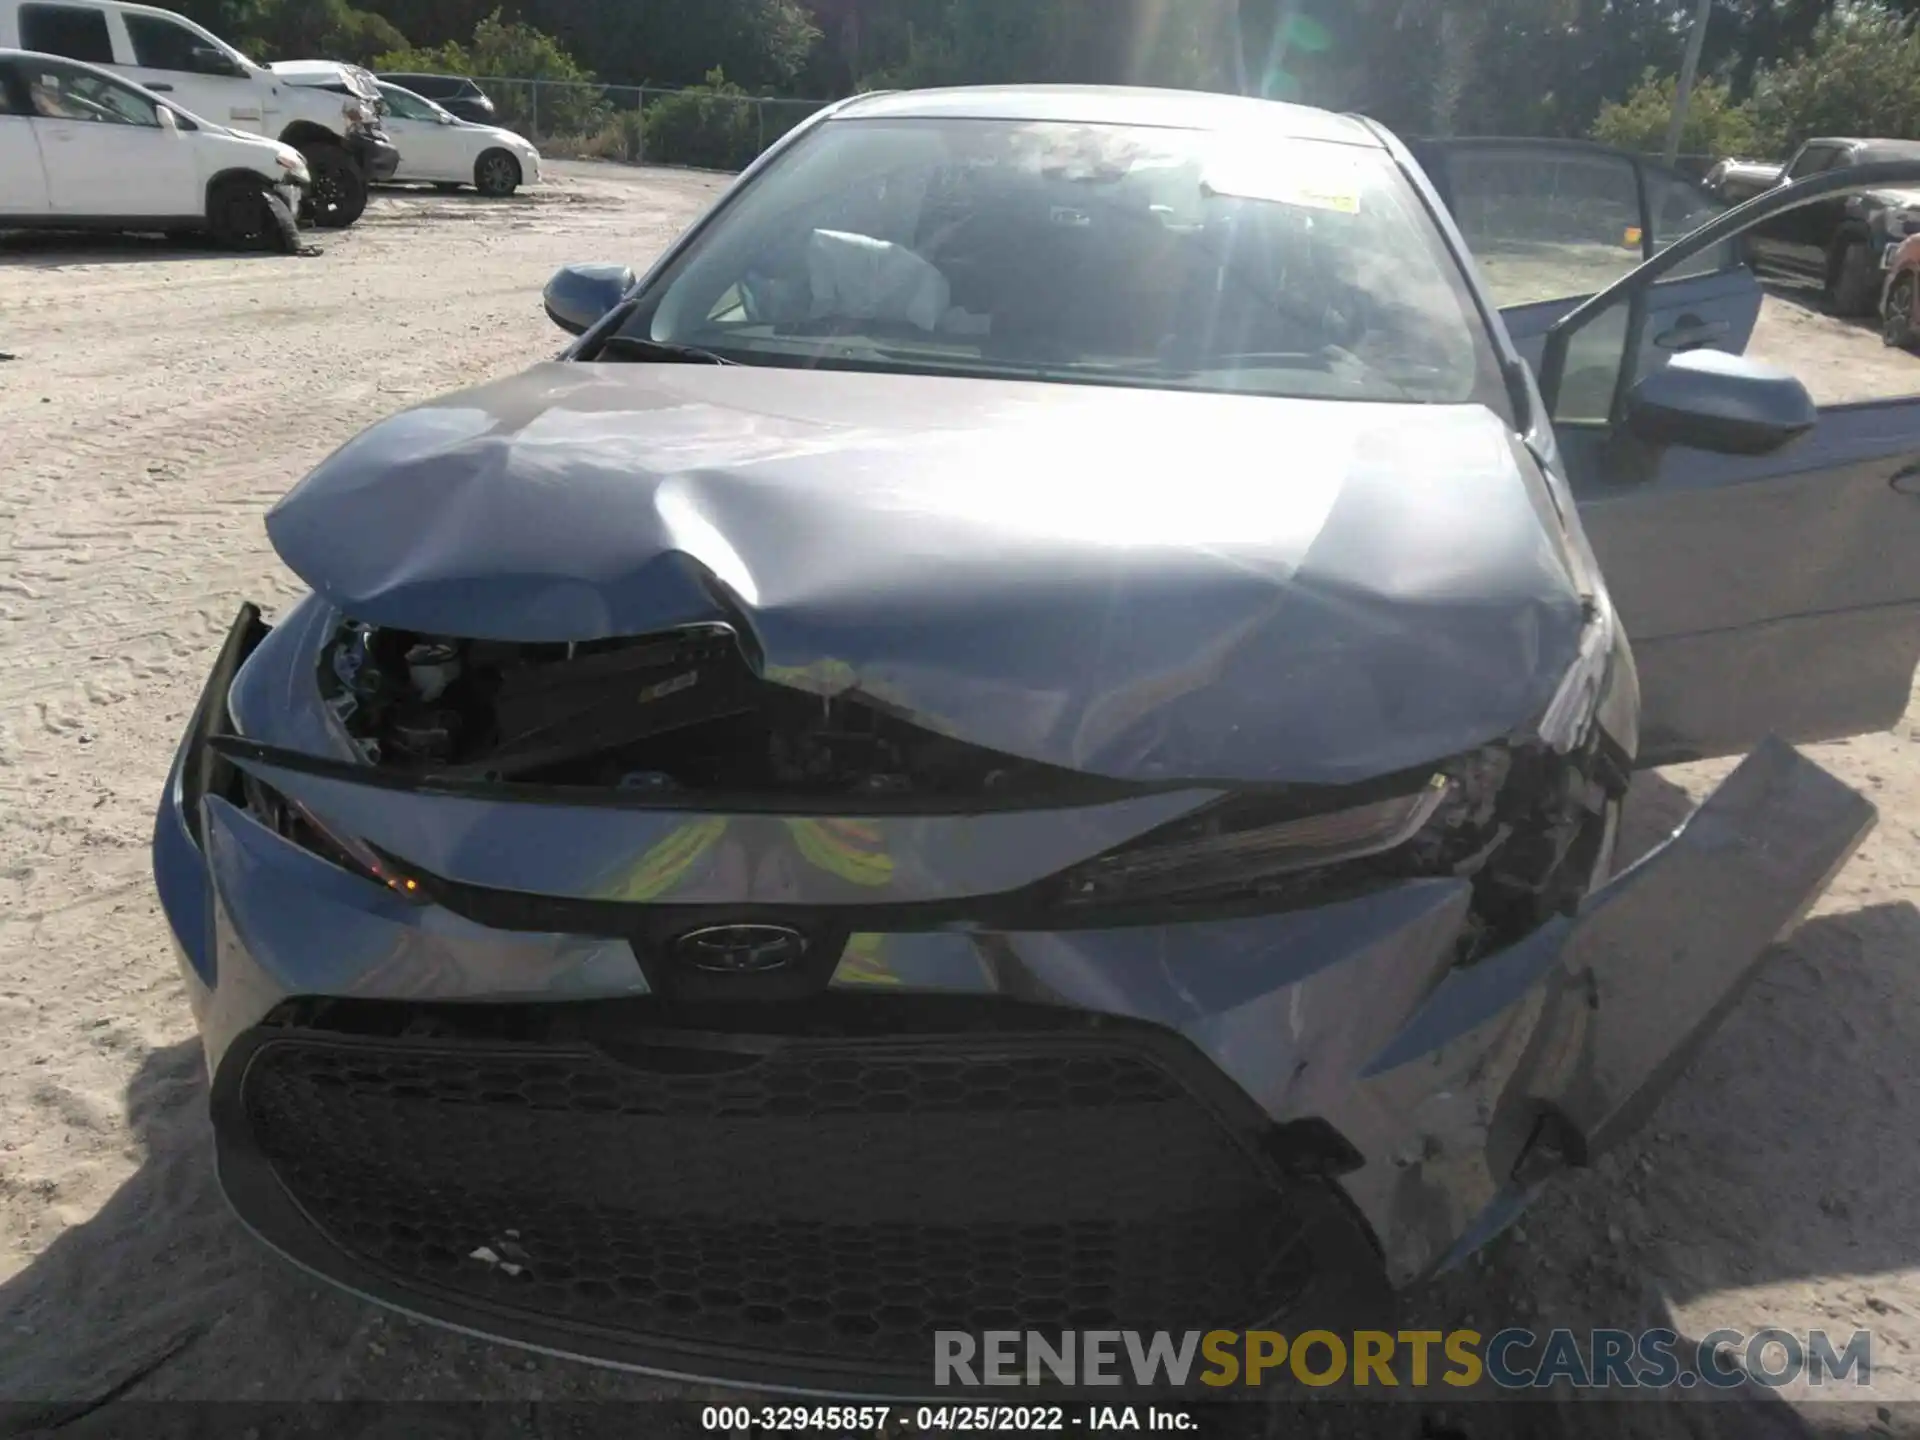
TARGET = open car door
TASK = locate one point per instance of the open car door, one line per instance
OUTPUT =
(1551, 222)
(1764, 556)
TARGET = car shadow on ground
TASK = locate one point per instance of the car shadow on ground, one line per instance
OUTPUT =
(1774, 1159)
(1809, 297)
(61, 249)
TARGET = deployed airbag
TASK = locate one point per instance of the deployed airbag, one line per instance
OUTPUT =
(856, 277)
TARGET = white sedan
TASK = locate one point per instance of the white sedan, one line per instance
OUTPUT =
(81, 148)
(436, 145)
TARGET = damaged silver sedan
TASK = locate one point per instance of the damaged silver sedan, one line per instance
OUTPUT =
(1026, 732)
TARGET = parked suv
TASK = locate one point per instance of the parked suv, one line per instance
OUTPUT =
(459, 95)
(1845, 243)
(342, 139)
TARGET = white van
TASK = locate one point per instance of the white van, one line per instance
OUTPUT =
(341, 137)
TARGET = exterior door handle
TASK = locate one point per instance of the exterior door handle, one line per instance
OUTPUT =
(163, 89)
(1691, 333)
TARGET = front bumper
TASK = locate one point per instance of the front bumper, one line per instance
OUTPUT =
(1340, 1086)
(377, 156)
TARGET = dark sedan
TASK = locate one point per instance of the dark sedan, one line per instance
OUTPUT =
(459, 95)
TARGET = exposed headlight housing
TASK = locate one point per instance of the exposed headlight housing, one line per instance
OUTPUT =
(294, 822)
(293, 162)
(1228, 847)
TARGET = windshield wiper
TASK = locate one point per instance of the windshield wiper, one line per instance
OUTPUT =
(639, 347)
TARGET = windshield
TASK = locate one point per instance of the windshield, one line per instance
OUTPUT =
(1094, 253)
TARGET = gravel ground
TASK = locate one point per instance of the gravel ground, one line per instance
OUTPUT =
(153, 403)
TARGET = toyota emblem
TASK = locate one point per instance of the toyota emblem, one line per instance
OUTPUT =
(741, 949)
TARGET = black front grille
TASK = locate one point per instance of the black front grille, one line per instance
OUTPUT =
(771, 1211)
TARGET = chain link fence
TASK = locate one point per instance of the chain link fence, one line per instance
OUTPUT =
(713, 129)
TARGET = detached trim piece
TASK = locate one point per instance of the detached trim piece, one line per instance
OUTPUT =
(205, 770)
(1661, 955)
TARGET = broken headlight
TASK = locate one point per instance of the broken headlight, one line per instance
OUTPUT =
(292, 821)
(1227, 849)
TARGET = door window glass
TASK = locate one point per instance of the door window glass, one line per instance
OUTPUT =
(162, 45)
(13, 94)
(78, 32)
(1594, 359)
(62, 94)
(1546, 224)
(1812, 160)
(407, 107)
(1676, 207)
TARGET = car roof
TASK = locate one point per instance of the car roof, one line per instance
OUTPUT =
(1111, 105)
(1895, 147)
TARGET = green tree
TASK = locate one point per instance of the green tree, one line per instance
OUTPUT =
(326, 30)
(297, 29)
(1179, 43)
(572, 103)
(1861, 77)
(713, 124)
(761, 44)
(1714, 125)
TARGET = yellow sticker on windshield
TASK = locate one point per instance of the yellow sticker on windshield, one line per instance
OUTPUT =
(1315, 185)
(1345, 201)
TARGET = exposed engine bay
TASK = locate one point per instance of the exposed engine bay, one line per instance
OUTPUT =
(676, 713)
(683, 713)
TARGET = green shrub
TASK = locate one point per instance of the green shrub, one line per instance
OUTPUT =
(715, 126)
(1862, 77)
(1714, 124)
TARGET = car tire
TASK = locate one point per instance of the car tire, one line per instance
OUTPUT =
(496, 174)
(1852, 280)
(338, 195)
(240, 215)
(1896, 311)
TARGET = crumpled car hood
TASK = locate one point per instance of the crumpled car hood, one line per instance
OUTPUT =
(328, 72)
(1146, 585)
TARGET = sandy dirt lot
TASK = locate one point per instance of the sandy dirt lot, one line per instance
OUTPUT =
(154, 402)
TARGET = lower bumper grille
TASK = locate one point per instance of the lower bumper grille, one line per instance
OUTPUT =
(783, 1211)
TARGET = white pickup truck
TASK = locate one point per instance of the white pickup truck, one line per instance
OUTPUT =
(345, 147)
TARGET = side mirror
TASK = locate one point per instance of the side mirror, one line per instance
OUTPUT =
(1709, 400)
(209, 61)
(579, 295)
(443, 117)
(168, 120)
